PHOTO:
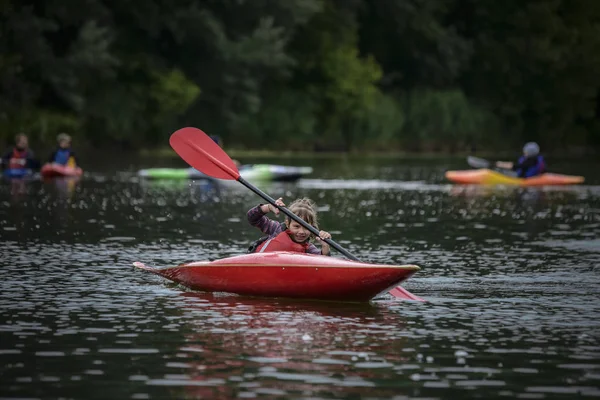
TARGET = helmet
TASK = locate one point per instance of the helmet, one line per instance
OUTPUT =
(531, 149)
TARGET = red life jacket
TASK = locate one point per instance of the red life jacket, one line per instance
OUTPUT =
(18, 159)
(282, 242)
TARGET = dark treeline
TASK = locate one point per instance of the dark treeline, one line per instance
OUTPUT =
(304, 74)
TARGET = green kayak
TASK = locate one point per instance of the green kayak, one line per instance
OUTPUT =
(255, 172)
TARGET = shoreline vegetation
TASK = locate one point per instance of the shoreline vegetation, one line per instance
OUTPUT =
(168, 152)
(328, 75)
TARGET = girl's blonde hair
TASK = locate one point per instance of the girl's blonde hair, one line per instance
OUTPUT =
(63, 137)
(306, 209)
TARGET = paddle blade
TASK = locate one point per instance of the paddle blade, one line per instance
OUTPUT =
(477, 162)
(401, 293)
(201, 152)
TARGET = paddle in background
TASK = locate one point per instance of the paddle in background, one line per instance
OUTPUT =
(477, 162)
(201, 152)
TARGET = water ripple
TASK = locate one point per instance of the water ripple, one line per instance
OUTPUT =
(510, 275)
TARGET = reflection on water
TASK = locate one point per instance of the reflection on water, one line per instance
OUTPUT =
(510, 275)
(64, 186)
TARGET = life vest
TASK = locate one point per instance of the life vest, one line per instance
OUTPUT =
(18, 159)
(258, 242)
(531, 166)
(62, 156)
(282, 242)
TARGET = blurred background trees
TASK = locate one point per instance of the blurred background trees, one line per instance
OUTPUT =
(449, 75)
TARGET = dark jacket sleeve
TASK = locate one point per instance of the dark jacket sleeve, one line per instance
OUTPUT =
(261, 221)
(312, 249)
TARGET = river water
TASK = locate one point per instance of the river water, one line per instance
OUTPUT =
(511, 277)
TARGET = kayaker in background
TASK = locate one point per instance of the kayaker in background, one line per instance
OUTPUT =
(531, 163)
(217, 139)
(20, 156)
(64, 155)
(290, 235)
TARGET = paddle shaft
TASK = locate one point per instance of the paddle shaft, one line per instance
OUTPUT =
(293, 216)
(477, 162)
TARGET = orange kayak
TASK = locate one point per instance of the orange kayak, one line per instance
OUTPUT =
(489, 177)
(283, 274)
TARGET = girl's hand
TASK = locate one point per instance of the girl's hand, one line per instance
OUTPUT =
(272, 208)
(324, 246)
(324, 235)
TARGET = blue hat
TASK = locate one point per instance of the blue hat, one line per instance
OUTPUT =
(216, 139)
(531, 149)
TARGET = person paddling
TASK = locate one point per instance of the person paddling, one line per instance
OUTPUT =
(531, 163)
(20, 156)
(64, 154)
(290, 235)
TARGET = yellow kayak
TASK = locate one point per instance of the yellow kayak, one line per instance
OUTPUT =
(488, 177)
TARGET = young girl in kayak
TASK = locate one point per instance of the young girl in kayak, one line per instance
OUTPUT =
(64, 155)
(288, 236)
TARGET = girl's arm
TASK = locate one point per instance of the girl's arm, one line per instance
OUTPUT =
(257, 218)
(324, 251)
(325, 248)
(312, 249)
(504, 164)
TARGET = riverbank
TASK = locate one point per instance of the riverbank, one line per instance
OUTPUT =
(168, 152)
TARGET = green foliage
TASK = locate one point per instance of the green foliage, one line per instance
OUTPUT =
(342, 84)
(140, 113)
(535, 65)
(445, 118)
(352, 80)
(304, 74)
(44, 124)
(350, 94)
(171, 94)
(286, 118)
(380, 126)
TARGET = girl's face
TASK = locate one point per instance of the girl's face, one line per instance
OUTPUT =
(22, 142)
(299, 234)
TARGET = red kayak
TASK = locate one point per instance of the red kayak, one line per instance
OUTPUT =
(50, 170)
(285, 274)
